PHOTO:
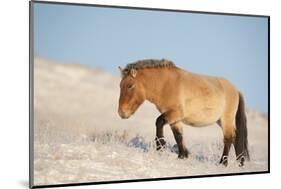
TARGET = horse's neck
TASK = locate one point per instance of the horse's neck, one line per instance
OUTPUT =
(153, 82)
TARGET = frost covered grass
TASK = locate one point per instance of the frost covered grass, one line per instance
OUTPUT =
(79, 137)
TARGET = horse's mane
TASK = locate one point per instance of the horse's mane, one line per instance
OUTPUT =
(147, 63)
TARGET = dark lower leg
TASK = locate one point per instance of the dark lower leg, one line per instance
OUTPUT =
(160, 142)
(240, 150)
(224, 157)
(183, 152)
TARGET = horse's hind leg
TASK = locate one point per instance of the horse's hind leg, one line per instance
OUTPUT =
(228, 134)
(178, 134)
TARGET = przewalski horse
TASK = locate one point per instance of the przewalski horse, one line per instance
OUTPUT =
(185, 97)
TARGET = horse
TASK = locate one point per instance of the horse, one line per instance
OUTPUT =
(185, 97)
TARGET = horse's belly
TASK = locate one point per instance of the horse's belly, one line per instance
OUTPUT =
(202, 118)
(203, 111)
(197, 123)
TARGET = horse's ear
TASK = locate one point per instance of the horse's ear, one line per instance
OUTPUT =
(121, 70)
(133, 72)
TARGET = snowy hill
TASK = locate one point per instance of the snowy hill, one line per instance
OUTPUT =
(79, 136)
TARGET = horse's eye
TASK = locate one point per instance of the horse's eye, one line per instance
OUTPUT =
(130, 86)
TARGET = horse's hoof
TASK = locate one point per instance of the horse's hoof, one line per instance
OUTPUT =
(183, 155)
(241, 161)
(160, 144)
(224, 161)
(160, 148)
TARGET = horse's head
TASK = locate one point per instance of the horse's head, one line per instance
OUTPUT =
(131, 93)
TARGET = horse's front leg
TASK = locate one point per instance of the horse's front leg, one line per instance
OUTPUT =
(178, 134)
(160, 141)
(168, 117)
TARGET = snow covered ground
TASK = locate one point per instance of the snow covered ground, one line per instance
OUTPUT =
(79, 137)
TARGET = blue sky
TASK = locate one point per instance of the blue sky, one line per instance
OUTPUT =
(233, 47)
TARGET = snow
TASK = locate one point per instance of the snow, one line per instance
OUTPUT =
(79, 137)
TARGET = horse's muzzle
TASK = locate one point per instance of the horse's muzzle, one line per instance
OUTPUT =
(124, 115)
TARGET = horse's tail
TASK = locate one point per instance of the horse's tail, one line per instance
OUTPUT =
(241, 139)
